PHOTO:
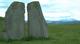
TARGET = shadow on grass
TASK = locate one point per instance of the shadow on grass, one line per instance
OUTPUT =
(28, 39)
(40, 38)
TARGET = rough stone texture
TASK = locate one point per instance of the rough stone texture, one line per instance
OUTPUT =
(36, 22)
(14, 21)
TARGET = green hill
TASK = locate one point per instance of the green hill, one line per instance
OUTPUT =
(1, 24)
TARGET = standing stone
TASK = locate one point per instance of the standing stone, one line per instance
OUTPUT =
(36, 22)
(14, 21)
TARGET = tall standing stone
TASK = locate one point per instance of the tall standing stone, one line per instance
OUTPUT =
(14, 21)
(36, 22)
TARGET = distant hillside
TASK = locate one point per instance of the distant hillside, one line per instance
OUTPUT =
(63, 22)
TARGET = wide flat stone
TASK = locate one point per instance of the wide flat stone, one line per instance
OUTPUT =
(14, 21)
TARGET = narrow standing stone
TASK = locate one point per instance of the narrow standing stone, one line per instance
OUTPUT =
(36, 22)
(15, 21)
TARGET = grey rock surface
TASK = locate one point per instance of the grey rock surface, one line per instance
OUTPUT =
(14, 21)
(37, 26)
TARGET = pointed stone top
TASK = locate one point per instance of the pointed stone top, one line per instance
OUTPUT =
(33, 2)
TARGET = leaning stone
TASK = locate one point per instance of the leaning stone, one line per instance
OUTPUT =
(36, 23)
(14, 21)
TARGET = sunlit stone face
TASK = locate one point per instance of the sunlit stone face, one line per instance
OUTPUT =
(15, 21)
(36, 23)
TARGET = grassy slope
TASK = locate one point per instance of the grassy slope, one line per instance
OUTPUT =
(58, 34)
(65, 34)
(1, 24)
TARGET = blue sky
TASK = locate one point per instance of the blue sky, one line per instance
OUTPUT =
(54, 10)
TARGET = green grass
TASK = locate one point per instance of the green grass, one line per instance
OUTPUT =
(2, 24)
(65, 34)
(58, 34)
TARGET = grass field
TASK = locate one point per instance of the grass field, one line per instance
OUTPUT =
(58, 34)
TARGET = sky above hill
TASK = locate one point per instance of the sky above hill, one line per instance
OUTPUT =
(54, 10)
